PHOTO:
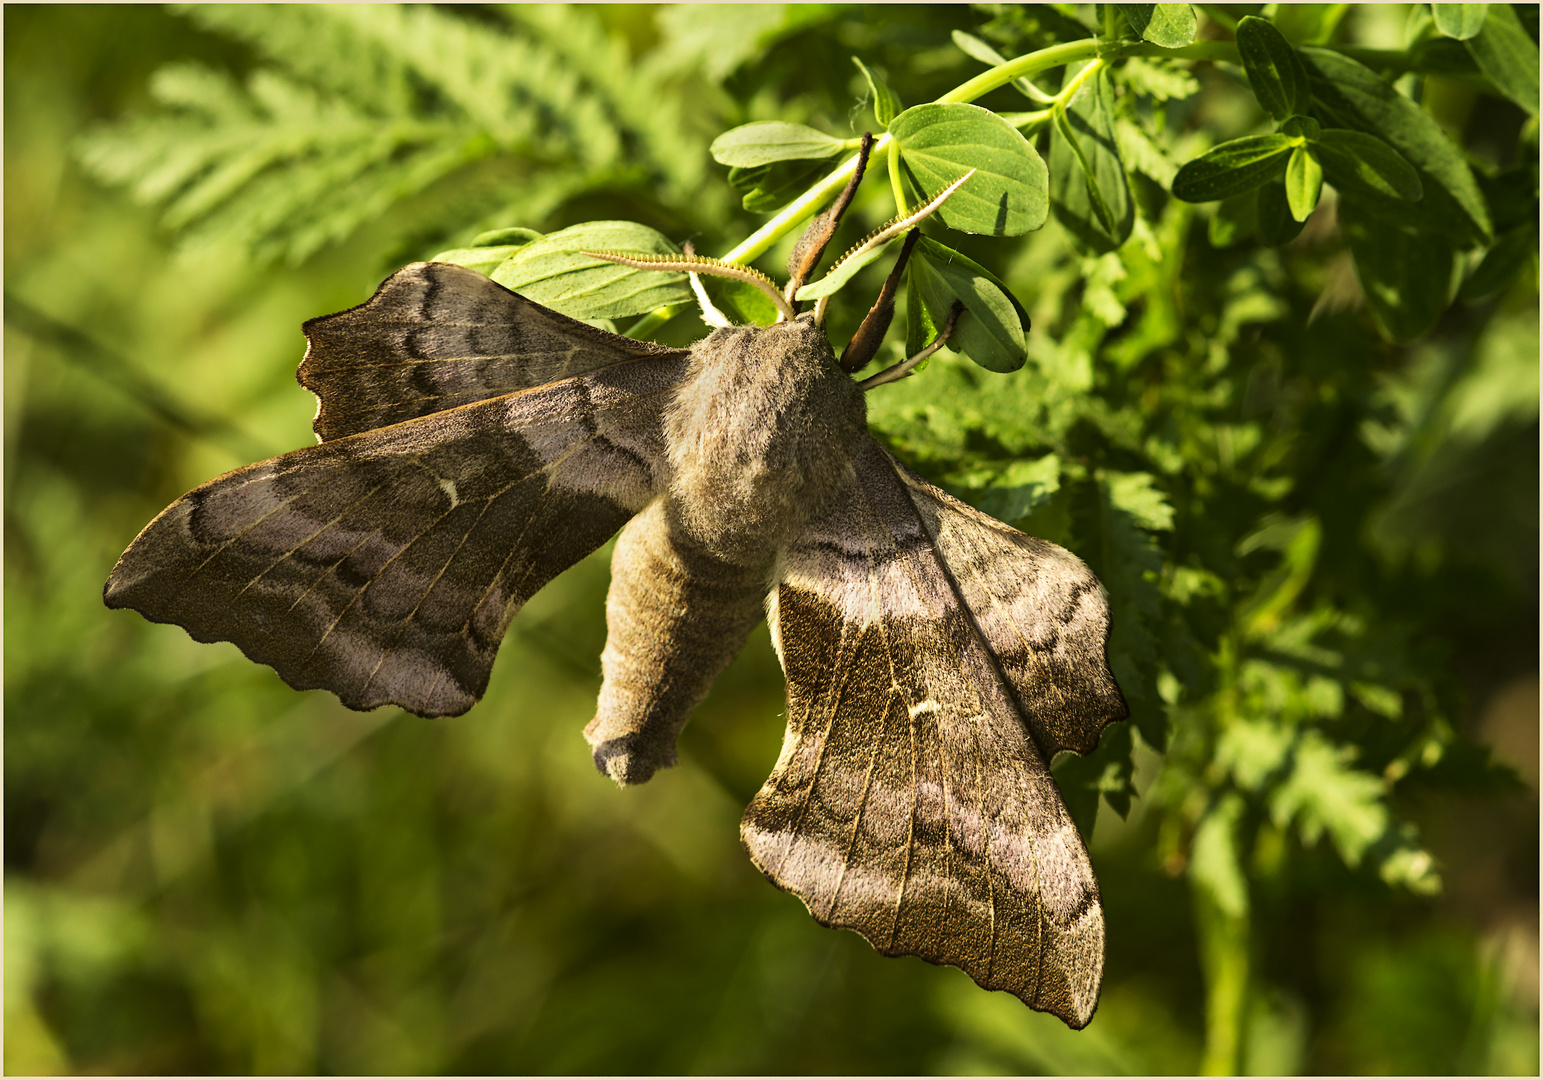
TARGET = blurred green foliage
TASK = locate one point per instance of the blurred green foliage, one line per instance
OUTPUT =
(1317, 838)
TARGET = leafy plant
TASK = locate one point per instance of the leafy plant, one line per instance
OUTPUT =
(1249, 307)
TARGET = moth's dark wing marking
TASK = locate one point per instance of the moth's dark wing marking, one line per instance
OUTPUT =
(385, 566)
(910, 803)
(1040, 609)
(676, 616)
(435, 336)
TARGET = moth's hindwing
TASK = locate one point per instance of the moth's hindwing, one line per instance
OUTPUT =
(435, 336)
(385, 566)
(911, 802)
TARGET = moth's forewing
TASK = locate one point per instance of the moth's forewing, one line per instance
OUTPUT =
(435, 336)
(385, 565)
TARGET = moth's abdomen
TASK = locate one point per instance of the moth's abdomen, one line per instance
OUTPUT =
(759, 437)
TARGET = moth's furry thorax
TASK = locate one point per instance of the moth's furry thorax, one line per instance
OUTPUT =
(758, 436)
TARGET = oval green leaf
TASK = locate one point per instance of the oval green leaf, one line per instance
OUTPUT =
(1364, 165)
(1171, 26)
(742, 302)
(1235, 219)
(764, 142)
(516, 235)
(976, 49)
(1009, 193)
(886, 103)
(553, 271)
(1405, 273)
(1304, 182)
(1272, 216)
(1351, 95)
(1089, 192)
(1301, 127)
(1233, 167)
(484, 260)
(1274, 69)
(769, 188)
(1511, 253)
(1460, 21)
(1507, 56)
(991, 333)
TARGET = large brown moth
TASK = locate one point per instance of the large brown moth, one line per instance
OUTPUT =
(474, 444)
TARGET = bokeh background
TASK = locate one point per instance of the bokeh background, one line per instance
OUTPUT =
(209, 872)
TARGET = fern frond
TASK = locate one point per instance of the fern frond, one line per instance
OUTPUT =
(362, 106)
(650, 112)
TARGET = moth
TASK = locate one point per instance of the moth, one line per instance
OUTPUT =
(474, 444)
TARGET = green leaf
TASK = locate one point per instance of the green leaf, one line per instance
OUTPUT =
(1161, 78)
(1507, 56)
(1272, 214)
(1363, 165)
(764, 142)
(1213, 862)
(1025, 484)
(1323, 793)
(886, 104)
(1301, 127)
(1088, 189)
(1308, 24)
(1274, 69)
(553, 271)
(1007, 196)
(1141, 153)
(1460, 21)
(769, 188)
(920, 327)
(990, 333)
(1406, 273)
(1139, 496)
(501, 237)
(977, 49)
(1356, 98)
(742, 302)
(1513, 251)
(1235, 219)
(484, 260)
(1171, 26)
(1233, 167)
(1304, 182)
(1252, 750)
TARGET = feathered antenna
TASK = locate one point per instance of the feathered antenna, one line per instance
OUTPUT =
(884, 235)
(700, 264)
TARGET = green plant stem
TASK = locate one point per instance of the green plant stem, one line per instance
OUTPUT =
(1026, 66)
(896, 185)
(1224, 959)
(827, 188)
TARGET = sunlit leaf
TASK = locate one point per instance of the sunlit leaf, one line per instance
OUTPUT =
(554, 271)
(1274, 69)
(1460, 21)
(1170, 25)
(1508, 56)
(938, 144)
(762, 143)
(1233, 168)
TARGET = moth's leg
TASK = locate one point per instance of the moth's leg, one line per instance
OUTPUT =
(896, 372)
(676, 617)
